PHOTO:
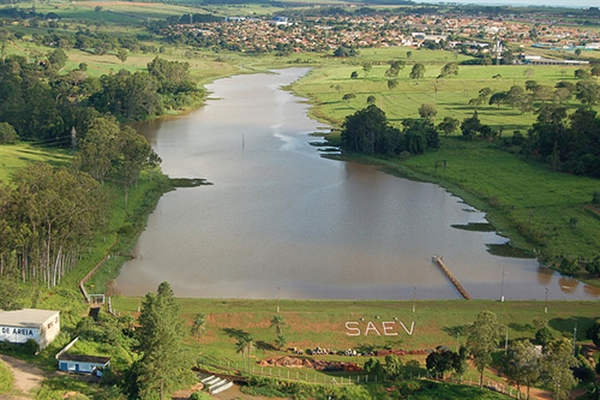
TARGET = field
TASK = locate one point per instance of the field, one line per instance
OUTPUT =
(13, 157)
(325, 324)
(326, 87)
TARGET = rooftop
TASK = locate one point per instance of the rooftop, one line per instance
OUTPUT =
(26, 318)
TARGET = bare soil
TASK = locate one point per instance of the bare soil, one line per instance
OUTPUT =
(27, 377)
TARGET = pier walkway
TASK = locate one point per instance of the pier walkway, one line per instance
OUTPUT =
(463, 292)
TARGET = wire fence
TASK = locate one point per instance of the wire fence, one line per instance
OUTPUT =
(299, 374)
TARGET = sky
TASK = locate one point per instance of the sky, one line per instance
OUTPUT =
(550, 3)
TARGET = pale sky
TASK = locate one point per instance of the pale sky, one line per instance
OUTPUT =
(550, 3)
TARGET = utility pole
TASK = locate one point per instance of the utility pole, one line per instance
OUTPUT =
(414, 298)
(546, 303)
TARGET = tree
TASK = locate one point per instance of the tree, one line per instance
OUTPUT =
(448, 125)
(543, 336)
(8, 135)
(441, 361)
(135, 155)
(556, 367)
(587, 92)
(122, 54)
(11, 294)
(593, 333)
(245, 345)
(392, 83)
(449, 69)
(521, 364)
(374, 367)
(515, 96)
(371, 99)
(278, 322)
(470, 126)
(418, 71)
(482, 341)
(162, 367)
(367, 66)
(354, 75)
(427, 111)
(57, 59)
(280, 342)
(198, 326)
(393, 367)
(497, 98)
(367, 131)
(99, 149)
(348, 96)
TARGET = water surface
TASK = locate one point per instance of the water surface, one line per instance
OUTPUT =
(279, 215)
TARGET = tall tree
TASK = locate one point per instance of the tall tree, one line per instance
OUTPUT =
(162, 367)
(482, 341)
(198, 326)
(556, 368)
(522, 364)
(278, 322)
(417, 71)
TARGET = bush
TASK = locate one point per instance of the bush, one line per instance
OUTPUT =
(31, 347)
(8, 135)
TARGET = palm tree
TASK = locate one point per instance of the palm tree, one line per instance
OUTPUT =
(245, 345)
(278, 322)
(198, 326)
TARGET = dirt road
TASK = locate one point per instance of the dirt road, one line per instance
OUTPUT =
(27, 377)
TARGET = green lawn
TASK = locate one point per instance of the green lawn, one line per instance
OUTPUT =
(14, 157)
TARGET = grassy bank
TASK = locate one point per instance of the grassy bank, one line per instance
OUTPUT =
(538, 209)
(323, 323)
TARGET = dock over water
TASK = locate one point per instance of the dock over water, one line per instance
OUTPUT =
(463, 292)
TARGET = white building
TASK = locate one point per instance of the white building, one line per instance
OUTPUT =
(21, 325)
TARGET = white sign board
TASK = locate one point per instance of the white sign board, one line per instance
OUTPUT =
(18, 335)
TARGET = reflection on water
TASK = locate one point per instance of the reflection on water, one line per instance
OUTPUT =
(280, 215)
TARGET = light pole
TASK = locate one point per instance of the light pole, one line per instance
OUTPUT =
(546, 303)
(414, 298)
(502, 287)
(278, 290)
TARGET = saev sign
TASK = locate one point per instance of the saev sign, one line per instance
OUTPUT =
(385, 328)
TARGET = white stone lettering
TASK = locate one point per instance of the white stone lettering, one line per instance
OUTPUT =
(388, 327)
(355, 331)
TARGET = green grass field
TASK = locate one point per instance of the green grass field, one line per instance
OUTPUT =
(13, 157)
(326, 86)
(322, 323)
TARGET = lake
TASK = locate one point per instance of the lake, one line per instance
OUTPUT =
(281, 220)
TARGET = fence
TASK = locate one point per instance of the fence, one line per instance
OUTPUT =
(248, 367)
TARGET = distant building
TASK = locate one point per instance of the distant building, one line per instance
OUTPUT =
(83, 364)
(538, 60)
(21, 325)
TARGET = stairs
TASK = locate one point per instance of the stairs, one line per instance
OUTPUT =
(214, 384)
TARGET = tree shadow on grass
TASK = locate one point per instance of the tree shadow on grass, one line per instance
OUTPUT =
(235, 333)
(455, 330)
(262, 345)
(567, 326)
(520, 327)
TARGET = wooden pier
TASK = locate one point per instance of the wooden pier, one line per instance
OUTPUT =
(461, 289)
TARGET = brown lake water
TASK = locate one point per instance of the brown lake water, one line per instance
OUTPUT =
(279, 215)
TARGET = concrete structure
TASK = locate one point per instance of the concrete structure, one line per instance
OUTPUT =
(21, 325)
(83, 364)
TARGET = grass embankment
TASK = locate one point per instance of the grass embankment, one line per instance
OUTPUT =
(323, 323)
(536, 208)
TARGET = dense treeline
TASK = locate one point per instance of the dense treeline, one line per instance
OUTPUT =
(45, 105)
(567, 142)
(368, 131)
(49, 215)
